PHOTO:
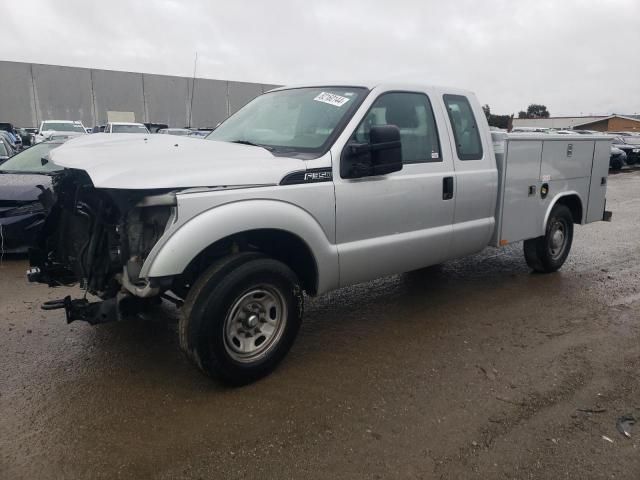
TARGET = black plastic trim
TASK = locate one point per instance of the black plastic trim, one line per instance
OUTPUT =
(312, 175)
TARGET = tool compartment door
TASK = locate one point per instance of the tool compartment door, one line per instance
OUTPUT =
(566, 159)
(598, 187)
(521, 213)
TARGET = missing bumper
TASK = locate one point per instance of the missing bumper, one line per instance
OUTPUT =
(111, 310)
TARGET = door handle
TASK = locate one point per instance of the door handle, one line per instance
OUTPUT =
(447, 188)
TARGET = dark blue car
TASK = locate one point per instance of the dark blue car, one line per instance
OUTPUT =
(21, 180)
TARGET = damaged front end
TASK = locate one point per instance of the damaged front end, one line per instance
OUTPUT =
(100, 238)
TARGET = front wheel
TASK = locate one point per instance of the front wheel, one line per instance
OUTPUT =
(616, 164)
(241, 317)
(549, 252)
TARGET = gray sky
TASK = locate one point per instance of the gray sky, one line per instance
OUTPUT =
(575, 56)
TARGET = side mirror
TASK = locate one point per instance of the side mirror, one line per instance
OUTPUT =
(381, 156)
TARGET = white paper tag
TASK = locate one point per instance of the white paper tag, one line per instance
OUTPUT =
(331, 99)
(435, 155)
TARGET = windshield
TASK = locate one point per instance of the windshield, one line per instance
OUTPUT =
(301, 119)
(129, 129)
(62, 127)
(30, 160)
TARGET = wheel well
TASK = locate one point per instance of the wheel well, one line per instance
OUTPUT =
(279, 244)
(575, 206)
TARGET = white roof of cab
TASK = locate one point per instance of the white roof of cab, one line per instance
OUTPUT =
(126, 123)
(383, 86)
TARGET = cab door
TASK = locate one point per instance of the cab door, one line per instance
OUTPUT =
(476, 176)
(401, 221)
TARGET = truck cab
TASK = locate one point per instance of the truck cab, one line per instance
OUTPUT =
(305, 189)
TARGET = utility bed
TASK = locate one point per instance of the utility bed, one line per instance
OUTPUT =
(533, 168)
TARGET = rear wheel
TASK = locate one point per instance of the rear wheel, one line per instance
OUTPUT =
(549, 252)
(241, 317)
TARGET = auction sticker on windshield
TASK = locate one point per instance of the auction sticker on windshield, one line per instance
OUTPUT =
(331, 99)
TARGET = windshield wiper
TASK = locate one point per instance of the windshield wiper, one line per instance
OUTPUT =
(247, 142)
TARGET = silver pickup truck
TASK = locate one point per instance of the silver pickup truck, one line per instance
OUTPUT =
(305, 189)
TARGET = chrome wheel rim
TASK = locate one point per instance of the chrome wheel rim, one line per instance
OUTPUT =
(254, 324)
(557, 239)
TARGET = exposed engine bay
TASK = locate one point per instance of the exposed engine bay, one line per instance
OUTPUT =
(99, 238)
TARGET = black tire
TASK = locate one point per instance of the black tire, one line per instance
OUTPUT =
(207, 317)
(543, 253)
(616, 164)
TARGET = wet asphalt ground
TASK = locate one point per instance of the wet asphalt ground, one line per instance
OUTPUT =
(476, 369)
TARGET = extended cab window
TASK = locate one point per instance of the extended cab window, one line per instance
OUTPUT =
(465, 128)
(412, 114)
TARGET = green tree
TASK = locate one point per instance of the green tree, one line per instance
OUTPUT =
(500, 121)
(487, 111)
(535, 110)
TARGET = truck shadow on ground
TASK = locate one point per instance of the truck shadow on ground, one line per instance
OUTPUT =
(427, 302)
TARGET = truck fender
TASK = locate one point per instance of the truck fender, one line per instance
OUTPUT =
(556, 199)
(171, 255)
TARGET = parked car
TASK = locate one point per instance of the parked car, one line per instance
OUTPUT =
(154, 127)
(49, 127)
(7, 127)
(631, 146)
(9, 140)
(618, 159)
(63, 136)
(362, 182)
(23, 178)
(15, 137)
(529, 130)
(199, 133)
(16, 140)
(5, 152)
(125, 127)
(25, 136)
(181, 132)
(31, 133)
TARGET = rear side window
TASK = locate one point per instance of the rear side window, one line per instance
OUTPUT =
(465, 128)
(412, 114)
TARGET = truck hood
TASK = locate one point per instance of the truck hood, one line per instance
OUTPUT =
(132, 161)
